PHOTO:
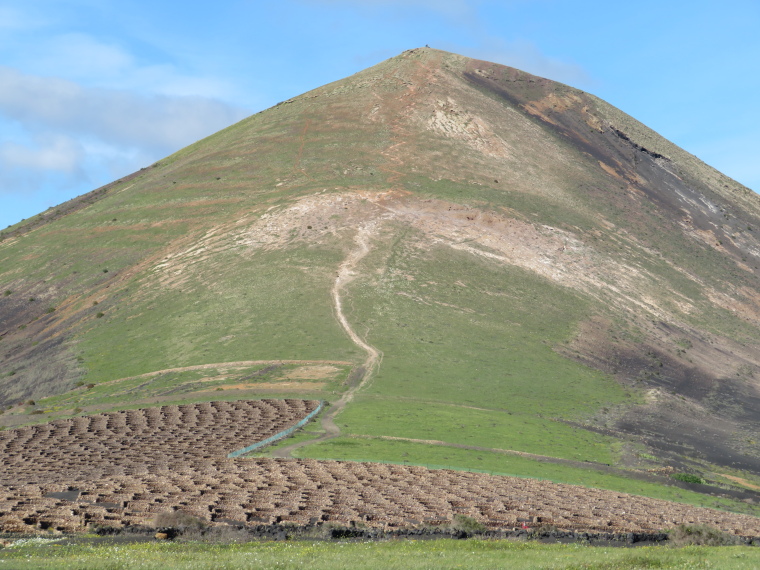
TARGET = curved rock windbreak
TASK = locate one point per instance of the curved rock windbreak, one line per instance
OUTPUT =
(143, 441)
(124, 468)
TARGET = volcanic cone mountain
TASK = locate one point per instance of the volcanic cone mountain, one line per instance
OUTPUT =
(467, 258)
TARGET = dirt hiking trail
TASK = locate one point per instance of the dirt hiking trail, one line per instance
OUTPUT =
(346, 274)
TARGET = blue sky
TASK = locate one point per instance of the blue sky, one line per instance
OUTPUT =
(91, 90)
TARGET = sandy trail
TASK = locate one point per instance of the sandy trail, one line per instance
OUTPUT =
(394, 157)
(221, 365)
(346, 274)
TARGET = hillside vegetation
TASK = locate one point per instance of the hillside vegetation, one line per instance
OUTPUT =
(468, 262)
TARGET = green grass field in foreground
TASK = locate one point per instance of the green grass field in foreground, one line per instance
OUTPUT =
(402, 554)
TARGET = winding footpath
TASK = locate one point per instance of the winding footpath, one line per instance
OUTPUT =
(346, 274)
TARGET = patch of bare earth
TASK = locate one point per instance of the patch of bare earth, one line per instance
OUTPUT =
(125, 467)
(284, 386)
(741, 481)
(311, 373)
(505, 237)
(232, 366)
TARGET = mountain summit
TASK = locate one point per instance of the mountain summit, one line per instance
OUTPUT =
(464, 258)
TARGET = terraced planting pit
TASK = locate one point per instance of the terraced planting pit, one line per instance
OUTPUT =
(143, 441)
(124, 468)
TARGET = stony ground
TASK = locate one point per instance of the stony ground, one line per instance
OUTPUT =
(126, 467)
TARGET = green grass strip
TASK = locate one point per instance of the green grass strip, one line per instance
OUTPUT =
(394, 554)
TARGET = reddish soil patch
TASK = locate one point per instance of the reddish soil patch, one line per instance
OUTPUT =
(741, 481)
(125, 467)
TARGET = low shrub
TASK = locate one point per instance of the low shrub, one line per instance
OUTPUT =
(701, 534)
(178, 520)
(467, 524)
(542, 530)
(688, 478)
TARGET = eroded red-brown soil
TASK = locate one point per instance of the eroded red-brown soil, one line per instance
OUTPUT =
(125, 467)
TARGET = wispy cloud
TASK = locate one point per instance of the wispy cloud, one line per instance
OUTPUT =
(81, 56)
(74, 134)
(448, 8)
(91, 61)
(27, 167)
(528, 57)
(478, 39)
(81, 105)
(51, 152)
(12, 19)
(118, 117)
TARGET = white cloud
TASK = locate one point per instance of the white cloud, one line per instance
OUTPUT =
(526, 56)
(81, 103)
(59, 133)
(518, 53)
(89, 61)
(26, 168)
(82, 56)
(165, 80)
(117, 117)
(52, 152)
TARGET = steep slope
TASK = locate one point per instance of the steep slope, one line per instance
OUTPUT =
(499, 261)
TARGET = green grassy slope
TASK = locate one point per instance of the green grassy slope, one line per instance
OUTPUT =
(468, 357)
